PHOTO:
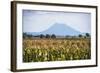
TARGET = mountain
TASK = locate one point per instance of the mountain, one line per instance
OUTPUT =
(58, 29)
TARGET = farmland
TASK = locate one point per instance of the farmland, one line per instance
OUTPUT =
(42, 50)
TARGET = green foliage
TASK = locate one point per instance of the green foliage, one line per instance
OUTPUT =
(47, 36)
(80, 35)
(87, 35)
(53, 36)
(42, 36)
(56, 50)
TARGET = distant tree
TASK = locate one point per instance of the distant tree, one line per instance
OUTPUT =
(84, 36)
(47, 36)
(36, 36)
(29, 35)
(67, 36)
(24, 35)
(53, 36)
(87, 35)
(80, 35)
(42, 36)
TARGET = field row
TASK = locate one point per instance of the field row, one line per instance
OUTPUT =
(56, 50)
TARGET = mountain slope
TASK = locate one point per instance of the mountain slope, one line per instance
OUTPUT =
(59, 29)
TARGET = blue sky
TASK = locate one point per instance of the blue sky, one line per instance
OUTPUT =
(38, 21)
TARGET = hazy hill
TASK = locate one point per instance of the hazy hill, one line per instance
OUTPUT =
(59, 30)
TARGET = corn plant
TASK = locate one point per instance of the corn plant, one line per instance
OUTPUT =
(41, 50)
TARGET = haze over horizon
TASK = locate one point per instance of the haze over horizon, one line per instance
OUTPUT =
(42, 21)
(59, 30)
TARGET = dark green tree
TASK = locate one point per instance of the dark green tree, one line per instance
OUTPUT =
(42, 36)
(87, 35)
(80, 35)
(24, 35)
(53, 36)
(47, 36)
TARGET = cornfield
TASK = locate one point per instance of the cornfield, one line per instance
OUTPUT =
(41, 50)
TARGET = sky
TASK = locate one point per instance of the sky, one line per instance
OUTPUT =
(38, 21)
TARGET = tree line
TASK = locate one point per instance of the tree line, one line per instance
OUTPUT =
(25, 35)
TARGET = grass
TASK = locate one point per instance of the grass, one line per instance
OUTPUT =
(41, 50)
